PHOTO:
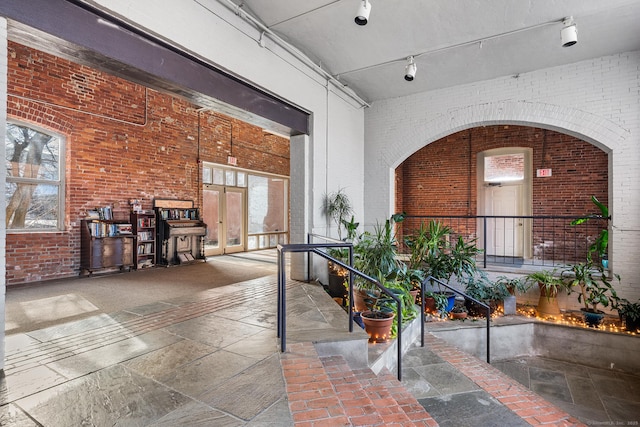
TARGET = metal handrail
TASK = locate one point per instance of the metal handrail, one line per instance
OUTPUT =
(314, 248)
(571, 243)
(432, 279)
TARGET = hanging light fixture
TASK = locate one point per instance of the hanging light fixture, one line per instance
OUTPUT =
(410, 69)
(362, 17)
(569, 32)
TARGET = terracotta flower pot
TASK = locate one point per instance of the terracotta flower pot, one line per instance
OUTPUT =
(548, 302)
(462, 315)
(378, 325)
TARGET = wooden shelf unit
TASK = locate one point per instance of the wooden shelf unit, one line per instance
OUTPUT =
(105, 244)
(144, 228)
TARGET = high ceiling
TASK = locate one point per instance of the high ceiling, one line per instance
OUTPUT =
(453, 41)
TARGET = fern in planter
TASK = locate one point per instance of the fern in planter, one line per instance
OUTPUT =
(595, 289)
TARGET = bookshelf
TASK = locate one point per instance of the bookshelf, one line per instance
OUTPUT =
(105, 244)
(144, 228)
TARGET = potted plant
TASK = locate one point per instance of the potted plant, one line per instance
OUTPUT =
(375, 256)
(432, 251)
(379, 320)
(602, 241)
(458, 312)
(338, 276)
(337, 207)
(549, 284)
(595, 289)
(513, 285)
(481, 288)
(630, 314)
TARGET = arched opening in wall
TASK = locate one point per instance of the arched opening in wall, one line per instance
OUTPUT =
(512, 188)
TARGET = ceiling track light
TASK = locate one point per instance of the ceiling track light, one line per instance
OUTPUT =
(410, 69)
(362, 17)
(569, 33)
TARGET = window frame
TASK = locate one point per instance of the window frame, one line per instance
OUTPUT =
(60, 183)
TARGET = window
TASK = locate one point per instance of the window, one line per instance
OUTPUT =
(267, 204)
(504, 168)
(34, 189)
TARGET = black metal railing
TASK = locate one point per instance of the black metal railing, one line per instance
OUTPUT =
(429, 281)
(520, 240)
(315, 248)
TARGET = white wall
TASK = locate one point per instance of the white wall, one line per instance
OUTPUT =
(596, 100)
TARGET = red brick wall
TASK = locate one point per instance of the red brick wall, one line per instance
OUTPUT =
(441, 178)
(123, 141)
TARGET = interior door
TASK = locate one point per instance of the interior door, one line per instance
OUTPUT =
(224, 212)
(504, 235)
(213, 196)
(234, 220)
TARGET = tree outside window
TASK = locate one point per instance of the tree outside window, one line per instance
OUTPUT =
(34, 190)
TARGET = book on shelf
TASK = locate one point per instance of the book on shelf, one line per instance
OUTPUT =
(145, 235)
(145, 249)
(146, 222)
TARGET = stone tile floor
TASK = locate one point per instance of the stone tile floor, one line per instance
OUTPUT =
(595, 396)
(192, 346)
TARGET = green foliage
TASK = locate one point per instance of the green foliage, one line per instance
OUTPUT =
(594, 286)
(379, 301)
(376, 252)
(630, 311)
(513, 284)
(337, 206)
(601, 243)
(548, 281)
(480, 287)
(431, 250)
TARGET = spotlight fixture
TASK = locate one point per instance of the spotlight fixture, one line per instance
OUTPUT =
(410, 69)
(364, 10)
(569, 32)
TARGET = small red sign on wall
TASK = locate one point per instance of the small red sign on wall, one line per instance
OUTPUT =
(232, 161)
(543, 173)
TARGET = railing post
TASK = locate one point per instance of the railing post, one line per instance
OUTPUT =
(350, 290)
(309, 238)
(422, 315)
(488, 339)
(484, 233)
(279, 304)
(283, 306)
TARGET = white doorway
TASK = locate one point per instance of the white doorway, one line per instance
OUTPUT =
(504, 197)
(504, 234)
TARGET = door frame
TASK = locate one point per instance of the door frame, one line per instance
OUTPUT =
(526, 197)
(222, 220)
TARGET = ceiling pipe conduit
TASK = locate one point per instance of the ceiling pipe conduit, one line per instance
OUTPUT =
(292, 50)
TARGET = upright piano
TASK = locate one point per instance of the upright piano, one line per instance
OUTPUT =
(180, 232)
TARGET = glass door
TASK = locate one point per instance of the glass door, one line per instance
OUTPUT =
(224, 212)
(212, 216)
(234, 220)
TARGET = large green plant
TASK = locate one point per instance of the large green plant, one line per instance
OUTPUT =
(337, 206)
(376, 252)
(594, 286)
(602, 241)
(432, 251)
(547, 280)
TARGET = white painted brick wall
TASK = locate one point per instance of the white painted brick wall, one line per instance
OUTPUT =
(597, 100)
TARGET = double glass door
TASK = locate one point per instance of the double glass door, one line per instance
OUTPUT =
(224, 212)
